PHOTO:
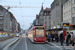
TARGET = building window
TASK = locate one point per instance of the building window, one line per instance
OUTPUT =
(69, 12)
(1, 17)
(6, 17)
(1, 13)
(6, 22)
(64, 14)
(1, 22)
(73, 19)
(41, 13)
(69, 3)
(45, 13)
(54, 22)
(49, 22)
(57, 3)
(49, 27)
(49, 13)
(73, 10)
(45, 27)
(49, 18)
(41, 18)
(45, 22)
(64, 6)
(0, 27)
(45, 18)
(73, 1)
(6, 12)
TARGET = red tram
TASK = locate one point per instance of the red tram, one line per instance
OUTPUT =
(37, 34)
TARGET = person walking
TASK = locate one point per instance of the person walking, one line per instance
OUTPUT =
(46, 36)
(49, 37)
(61, 38)
(68, 36)
(72, 39)
(52, 36)
(56, 37)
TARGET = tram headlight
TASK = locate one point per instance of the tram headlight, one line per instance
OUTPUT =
(35, 39)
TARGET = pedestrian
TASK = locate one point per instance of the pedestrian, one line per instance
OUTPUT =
(68, 36)
(72, 39)
(61, 38)
(49, 37)
(46, 36)
(52, 36)
(56, 37)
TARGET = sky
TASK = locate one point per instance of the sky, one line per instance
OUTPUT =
(26, 15)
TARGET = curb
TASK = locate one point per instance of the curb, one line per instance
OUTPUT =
(60, 47)
(10, 44)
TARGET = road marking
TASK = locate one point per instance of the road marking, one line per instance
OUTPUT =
(16, 44)
(26, 44)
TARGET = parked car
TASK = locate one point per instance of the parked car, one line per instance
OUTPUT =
(17, 35)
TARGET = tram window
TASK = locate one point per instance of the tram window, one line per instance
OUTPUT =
(39, 33)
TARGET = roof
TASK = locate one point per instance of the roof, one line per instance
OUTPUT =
(11, 15)
(47, 9)
(41, 8)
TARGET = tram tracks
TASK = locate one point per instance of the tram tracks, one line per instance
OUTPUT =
(44, 46)
(38, 46)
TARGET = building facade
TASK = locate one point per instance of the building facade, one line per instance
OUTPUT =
(7, 20)
(67, 11)
(73, 13)
(56, 13)
(44, 17)
(4, 19)
(37, 17)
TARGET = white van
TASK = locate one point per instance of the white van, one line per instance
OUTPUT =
(17, 34)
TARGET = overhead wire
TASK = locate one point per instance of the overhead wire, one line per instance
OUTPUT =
(28, 3)
(21, 10)
(21, 14)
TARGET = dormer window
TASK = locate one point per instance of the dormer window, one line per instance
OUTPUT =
(49, 13)
(45, 13)
(41, 13)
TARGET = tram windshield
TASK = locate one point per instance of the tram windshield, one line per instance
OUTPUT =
(39, 32)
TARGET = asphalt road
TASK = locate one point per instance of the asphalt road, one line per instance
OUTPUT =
(26, 44)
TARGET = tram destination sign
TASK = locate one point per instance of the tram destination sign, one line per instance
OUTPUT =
(39, 27)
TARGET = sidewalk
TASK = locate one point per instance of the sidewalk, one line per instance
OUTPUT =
(4, 43)
(5, 38)
(58, 45)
